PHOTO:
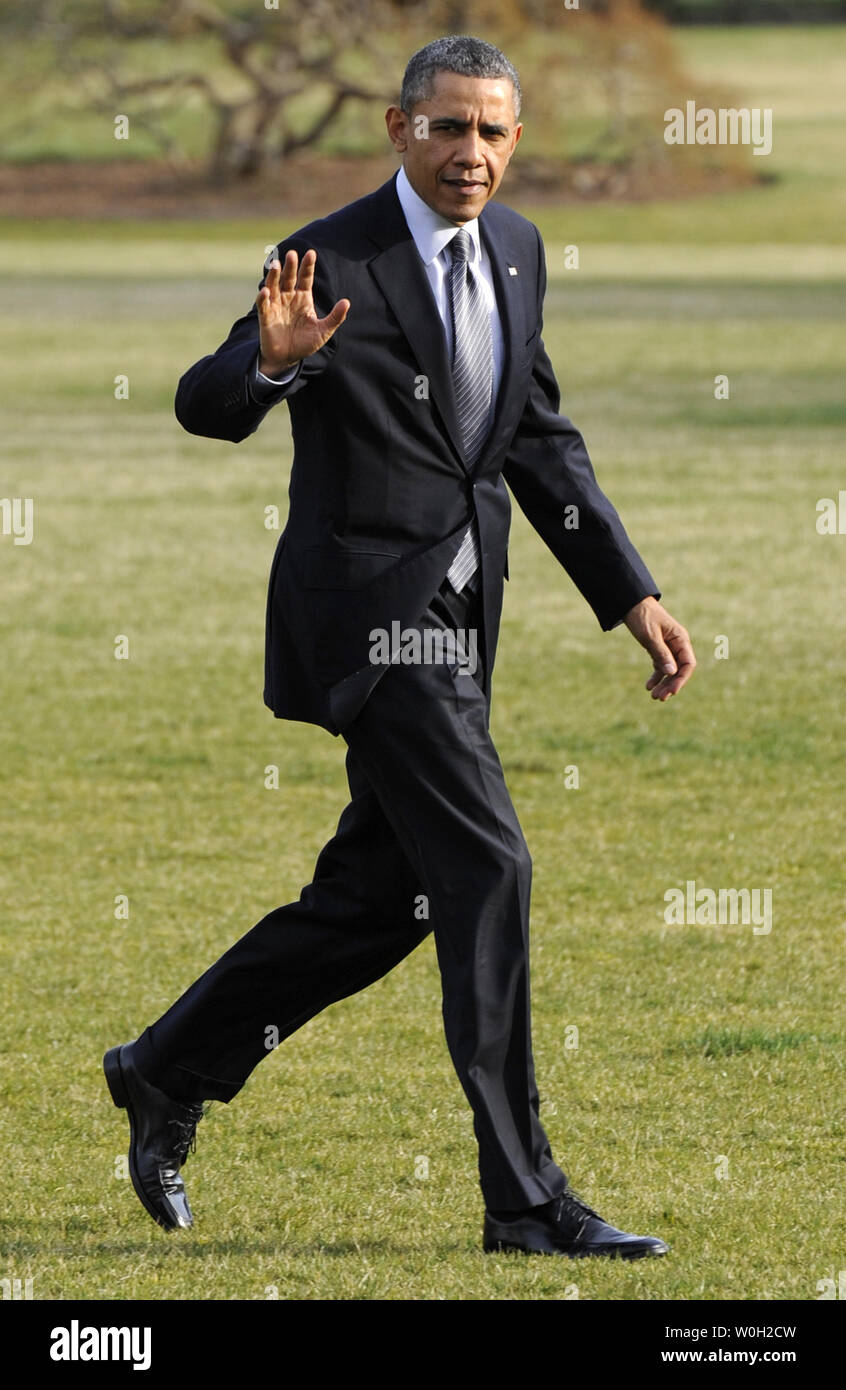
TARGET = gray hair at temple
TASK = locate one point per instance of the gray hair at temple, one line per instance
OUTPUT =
(459, 53)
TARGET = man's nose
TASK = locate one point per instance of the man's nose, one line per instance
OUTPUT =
(469, 152)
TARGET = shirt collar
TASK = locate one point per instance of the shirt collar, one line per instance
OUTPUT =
(430, 231)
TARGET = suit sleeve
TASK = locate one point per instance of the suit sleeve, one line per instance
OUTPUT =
(550, 475)
(216, 397)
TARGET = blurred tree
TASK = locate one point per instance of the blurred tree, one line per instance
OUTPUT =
(266, 56)
(276, 76)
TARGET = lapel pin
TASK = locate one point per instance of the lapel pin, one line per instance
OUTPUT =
(512, 270)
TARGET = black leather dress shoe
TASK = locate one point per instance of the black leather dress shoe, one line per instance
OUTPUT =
(161, 1132)
(565, 1226)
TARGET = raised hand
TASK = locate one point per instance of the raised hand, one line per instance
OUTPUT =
(288, 325)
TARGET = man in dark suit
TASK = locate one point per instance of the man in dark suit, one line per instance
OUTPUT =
(404, 331)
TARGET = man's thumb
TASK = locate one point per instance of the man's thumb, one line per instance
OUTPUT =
(663, 659)
(336, 316)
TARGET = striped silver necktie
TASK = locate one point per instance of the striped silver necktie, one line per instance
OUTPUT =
(472, 374)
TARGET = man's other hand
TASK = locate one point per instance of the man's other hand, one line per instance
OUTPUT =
(288, 326)
(667, 643)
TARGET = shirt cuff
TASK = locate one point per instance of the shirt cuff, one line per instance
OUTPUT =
(263, 388)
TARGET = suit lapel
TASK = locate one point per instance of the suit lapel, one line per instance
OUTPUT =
(401, 276)
(512, 312)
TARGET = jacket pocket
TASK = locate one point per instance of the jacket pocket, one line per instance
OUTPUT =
(345, 569)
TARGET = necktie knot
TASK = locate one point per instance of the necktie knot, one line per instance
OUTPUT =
(460, 246)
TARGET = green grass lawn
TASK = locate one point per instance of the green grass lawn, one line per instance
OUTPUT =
(702, 1050)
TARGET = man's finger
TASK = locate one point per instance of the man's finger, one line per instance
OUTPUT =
(662, 686)
(268, 289)
(684, 673)
(667, 686)
(288, 282)
(305, 279)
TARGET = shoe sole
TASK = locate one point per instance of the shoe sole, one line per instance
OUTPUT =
(120, 1095)
(502, 1247)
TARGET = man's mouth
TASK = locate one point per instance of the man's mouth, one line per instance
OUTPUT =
(466, 184)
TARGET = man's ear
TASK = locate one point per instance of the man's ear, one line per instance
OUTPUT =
(397, 123)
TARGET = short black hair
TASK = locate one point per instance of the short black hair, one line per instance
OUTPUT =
(459, 53)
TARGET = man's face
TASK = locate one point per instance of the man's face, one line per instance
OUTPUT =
(456, 146)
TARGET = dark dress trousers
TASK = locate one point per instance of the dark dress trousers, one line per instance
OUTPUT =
(380, 500)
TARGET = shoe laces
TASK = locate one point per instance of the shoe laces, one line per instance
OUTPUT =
(573, 1207)
(186, 1129)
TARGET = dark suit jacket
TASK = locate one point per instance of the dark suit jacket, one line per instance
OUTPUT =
(380, 493)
